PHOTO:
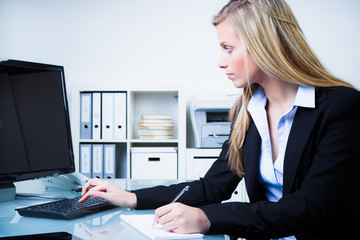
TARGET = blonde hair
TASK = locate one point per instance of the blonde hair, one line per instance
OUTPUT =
(275, 41)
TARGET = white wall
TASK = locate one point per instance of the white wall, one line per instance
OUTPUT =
(157, 43)
(332, 29)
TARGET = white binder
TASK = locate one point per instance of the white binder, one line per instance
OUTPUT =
(85, 160)
(97, 161)
(120, 115)
(107, 116)
(85, 117)
(96, 115)
(109, 161)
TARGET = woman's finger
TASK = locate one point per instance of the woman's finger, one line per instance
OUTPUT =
(88, 184)
(163, 210)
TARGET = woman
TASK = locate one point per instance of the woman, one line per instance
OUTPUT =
(294, 139)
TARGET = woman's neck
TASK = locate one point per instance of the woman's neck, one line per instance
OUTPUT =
(280, 99)
(280, 94)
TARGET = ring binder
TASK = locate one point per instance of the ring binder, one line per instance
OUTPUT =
(85, 117)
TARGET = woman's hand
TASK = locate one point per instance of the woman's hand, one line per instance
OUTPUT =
(104, 189)
(180, 218)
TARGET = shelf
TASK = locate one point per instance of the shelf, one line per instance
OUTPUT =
(138, 102)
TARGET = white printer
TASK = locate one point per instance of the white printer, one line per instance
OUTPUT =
(209, 118)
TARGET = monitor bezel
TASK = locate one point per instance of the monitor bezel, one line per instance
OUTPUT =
(17, 65)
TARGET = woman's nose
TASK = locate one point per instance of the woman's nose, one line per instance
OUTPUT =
(221, 62)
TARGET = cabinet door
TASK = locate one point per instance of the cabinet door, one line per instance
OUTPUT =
(199, 160)
(201, 165)
(154, 165)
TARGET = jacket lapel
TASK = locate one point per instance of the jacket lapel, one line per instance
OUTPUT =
(301, 129)
(251, 155)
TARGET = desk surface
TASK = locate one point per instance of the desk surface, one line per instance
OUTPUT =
(103, 225)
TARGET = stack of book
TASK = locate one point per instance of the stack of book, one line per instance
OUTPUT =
(156, 127)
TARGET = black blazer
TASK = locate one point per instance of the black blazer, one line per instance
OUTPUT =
(321, 191)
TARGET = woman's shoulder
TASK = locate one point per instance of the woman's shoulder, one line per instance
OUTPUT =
(339, 94)
(340, 99)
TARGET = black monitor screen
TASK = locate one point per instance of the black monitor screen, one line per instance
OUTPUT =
(35, 138)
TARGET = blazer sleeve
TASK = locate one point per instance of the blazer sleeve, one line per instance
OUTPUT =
(325, 203)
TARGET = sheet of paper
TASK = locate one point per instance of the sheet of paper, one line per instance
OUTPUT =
(143, 223)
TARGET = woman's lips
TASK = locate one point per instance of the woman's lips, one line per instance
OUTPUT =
(229, 75)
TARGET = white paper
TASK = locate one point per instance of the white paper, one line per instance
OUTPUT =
(143, 223)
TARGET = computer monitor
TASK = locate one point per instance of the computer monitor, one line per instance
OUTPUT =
(35, 136)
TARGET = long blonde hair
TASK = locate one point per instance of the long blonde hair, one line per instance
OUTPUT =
(275, 41)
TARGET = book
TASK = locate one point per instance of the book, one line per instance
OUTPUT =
(143, 223)
(159, 121)
(146, 126)
(155, 127)
(155, 116)
(162, 125)
(154, 132)
(156, 137)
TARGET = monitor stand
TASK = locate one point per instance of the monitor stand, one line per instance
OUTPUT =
(7, 192)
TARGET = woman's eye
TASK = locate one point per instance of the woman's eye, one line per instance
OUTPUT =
(228, 49)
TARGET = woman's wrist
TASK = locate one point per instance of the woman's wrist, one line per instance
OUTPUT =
(132, 200)
(204, 221)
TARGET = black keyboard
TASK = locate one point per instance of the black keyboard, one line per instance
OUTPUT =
(66, 208)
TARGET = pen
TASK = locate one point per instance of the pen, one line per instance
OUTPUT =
(178, 197)
(181, 194)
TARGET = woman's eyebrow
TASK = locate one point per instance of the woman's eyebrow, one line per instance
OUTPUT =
(224, 43)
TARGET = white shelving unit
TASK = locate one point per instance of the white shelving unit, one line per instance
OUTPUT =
(139, 101)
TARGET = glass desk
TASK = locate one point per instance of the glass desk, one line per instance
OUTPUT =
(103, 225)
